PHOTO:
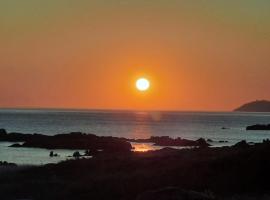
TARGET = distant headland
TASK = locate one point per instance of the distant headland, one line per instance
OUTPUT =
(255, 106)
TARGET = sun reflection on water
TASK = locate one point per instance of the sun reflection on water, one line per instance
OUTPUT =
(143, 131)
(143, 147)
(142, 121)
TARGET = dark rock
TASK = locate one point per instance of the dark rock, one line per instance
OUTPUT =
(261, 127)
(16, 145)
(223, 141)
(209, 140)
(3, 131)
(91, 152)
(202, 143)
(242, 144)
(5, 163)
(173, 193)
(76, 154)
(69, 141)
(52, 154)
(266, 141)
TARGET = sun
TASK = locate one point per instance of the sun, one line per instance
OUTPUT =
(142, 84)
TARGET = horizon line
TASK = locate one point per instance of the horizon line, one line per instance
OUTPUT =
(109, 109)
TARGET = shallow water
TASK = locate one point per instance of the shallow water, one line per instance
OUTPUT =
(32, 156)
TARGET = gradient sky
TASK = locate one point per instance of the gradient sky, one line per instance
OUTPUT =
(198, 54)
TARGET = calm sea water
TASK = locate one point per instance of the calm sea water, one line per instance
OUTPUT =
(131, 124)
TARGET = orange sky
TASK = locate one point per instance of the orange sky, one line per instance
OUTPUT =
(199, 55)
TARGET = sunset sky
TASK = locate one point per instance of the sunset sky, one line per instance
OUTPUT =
(197, 54)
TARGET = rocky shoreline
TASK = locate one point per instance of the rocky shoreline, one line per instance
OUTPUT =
(91, 142)
(223, 173)
(115, 172)
(75, 140)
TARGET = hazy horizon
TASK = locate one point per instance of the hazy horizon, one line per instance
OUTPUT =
(117, 109)
(109, 109)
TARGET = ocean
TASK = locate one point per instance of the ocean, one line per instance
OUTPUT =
(128, 124)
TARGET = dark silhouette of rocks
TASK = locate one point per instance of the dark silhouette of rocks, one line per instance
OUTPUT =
(3, 131)
(223, 141)
(16, 145)
(202, 143)
(77, 140)
(220, 141)
(255, 106)
(226, 173)
(52, 154)
(242, 144)
(167, 141)
(266, 141)
(224, 128)
(91, 152)
(76, 154)
(74, 140)
(5, 163)
(174, 193)
(258, 127)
